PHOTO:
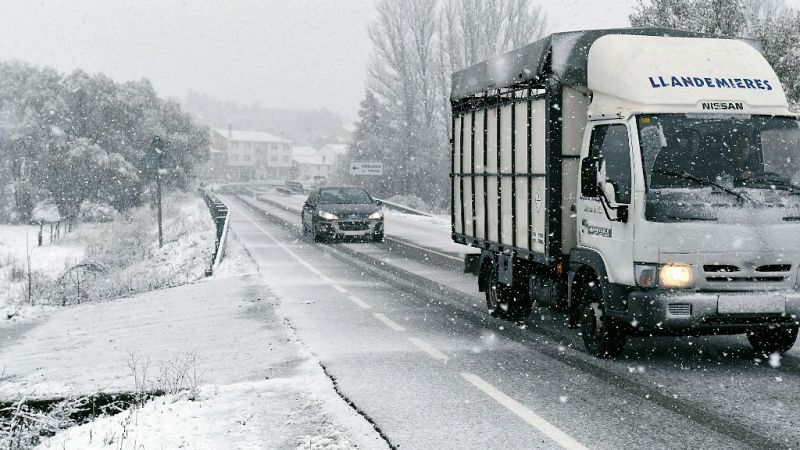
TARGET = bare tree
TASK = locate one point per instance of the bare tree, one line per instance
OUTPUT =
(417, 46)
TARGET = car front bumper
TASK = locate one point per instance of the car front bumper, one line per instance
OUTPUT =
(675, 312)
(349, 228)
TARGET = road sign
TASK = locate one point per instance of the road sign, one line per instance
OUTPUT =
(366, 168)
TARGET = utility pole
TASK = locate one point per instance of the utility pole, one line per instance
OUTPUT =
(154, 161)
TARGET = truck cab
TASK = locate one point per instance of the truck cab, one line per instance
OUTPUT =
(689, 191)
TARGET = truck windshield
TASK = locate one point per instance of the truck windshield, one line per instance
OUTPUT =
(695, 151)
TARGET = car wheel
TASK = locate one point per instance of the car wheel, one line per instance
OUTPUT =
(315, 234)
(771, 340)
(378, 237)
(603, 336)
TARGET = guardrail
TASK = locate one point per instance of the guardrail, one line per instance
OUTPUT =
(403, 209)
(220, 213)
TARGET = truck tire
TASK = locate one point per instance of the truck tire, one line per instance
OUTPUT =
(603, 336)
(507, 302)
(771, 340)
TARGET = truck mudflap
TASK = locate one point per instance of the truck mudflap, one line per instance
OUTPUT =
(671, 312)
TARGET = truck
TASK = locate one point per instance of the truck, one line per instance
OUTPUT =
(643, 181)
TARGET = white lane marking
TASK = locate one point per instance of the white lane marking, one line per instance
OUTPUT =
(339, 288)
(534, 420)
(359, 302)
(428, 348)
(279, 244)
(326, 279)
(388, 322)
(404, 242)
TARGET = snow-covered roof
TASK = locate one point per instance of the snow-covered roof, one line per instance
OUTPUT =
(303, 150)
(312, 160)
(338, 149)
(250, 136)
(561, 55)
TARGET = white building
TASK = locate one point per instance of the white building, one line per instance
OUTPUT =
(255, 155)
(318, 166)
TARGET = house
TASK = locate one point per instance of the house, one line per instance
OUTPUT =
(318, 166)
(254, 155)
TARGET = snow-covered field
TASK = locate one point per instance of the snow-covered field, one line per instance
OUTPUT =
(256, 385)
(126, 250)
(49, 260)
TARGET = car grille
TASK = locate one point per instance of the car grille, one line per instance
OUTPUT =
(353, 226)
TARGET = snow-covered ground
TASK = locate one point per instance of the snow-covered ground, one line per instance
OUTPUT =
(49, 260)
(127, 250)
(256, 386)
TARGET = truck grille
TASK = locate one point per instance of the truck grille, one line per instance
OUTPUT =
(727, 273)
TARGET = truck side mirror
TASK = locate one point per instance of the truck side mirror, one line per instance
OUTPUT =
(589, 170)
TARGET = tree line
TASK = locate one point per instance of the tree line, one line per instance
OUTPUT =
(404, 118)
(71, 138)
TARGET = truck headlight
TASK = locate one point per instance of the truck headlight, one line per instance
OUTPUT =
(675, 276)
(377, 215)
(327, 215)
(666, 276)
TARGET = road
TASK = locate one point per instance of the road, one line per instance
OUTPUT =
(408, 341)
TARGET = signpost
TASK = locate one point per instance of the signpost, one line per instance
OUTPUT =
(366, 168)
(154, 161)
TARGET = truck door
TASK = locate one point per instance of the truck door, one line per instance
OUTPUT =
(606, 230)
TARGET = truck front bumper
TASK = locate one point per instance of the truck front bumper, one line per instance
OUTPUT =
(675, 312)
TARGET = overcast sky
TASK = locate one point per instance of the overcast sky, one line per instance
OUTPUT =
(280, 53)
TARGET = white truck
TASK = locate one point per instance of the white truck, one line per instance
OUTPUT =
(646, 181)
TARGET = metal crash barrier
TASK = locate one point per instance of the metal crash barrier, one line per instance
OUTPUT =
(220, 213)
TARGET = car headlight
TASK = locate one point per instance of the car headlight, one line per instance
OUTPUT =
(327, 215)
(377, 215)
(667, 276)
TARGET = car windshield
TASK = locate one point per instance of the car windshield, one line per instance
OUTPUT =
(693, 151)
(329, 196)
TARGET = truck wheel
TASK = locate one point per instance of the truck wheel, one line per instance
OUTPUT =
(507, 302)
(771, 340)
(603, 336)
(377, 237)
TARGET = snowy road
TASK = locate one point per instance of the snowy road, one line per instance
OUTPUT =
(411, 346)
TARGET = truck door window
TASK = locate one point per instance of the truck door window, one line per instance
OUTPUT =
(610, 143)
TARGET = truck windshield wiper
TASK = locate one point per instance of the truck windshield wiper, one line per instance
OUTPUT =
(703, 181)
(776, 182)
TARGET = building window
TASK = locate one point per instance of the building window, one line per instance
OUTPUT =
(246, 158)
(234, 157)
(273, 158)
(285, 158)
(274, 146)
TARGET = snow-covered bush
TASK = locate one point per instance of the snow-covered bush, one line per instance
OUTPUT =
(97, 212)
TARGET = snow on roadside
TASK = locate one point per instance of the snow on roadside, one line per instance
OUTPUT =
(126, 248)
(301, 412)
(258, 386)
